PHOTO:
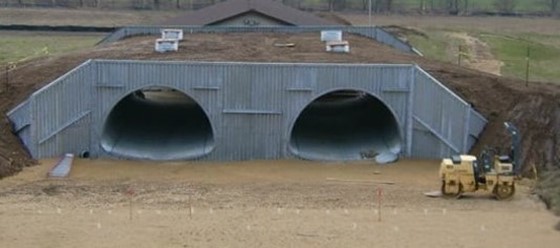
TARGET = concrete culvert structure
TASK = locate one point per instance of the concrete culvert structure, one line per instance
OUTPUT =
(157, 124)
(241, 111)
(345, 125)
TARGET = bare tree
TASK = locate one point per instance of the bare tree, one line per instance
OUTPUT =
(336, 4)
(422, 6)
(453, 7)
(330, 4)
(430, 5)
(342, 4)
(389, 5)
(292, 3)
(505, 6)
(553, 5)
(379, 6)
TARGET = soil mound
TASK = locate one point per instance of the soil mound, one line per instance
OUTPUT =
(535, 109)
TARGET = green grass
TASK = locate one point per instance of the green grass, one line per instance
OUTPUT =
(544, 57)
(510, 48)
(550, 40)
(16, 47)
(437, 45)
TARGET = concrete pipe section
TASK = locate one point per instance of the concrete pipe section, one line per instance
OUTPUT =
(346, 125)
(157, 124)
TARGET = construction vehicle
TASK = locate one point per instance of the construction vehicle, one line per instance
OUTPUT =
(490, 171)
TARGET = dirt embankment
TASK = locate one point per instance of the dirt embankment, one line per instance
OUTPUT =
(535, 109)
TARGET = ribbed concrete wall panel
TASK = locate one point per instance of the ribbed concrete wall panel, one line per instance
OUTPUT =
(443, 114)
(252, 107)
(73, 139)
(254, 137)
(476, 124)
(425, 144)
(20, 116)
(60, 106)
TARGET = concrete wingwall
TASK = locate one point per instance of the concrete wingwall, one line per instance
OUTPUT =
(252, 107)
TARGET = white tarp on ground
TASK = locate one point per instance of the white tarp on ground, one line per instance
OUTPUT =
(62, 169)
(386, 157)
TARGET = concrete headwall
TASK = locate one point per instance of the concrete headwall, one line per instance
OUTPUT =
(252, 109)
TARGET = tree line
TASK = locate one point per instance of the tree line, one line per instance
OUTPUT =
(453, 7)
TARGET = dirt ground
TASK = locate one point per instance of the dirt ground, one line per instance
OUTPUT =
(259, 204)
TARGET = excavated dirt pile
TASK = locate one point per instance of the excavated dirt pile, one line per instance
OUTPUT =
(535, 109)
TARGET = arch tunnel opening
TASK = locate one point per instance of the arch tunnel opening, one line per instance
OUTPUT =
(345, 125)
(157, 124)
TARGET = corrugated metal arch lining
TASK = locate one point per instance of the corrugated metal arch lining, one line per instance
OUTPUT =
(157, 124)
(345, 125)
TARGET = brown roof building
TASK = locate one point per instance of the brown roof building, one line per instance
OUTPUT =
(250, 13)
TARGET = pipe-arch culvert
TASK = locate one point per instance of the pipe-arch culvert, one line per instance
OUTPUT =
(345, 125)
(157, 123)
(166, 124)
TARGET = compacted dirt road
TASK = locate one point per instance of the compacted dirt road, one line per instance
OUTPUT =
(259, 204)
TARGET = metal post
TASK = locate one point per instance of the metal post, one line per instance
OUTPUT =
(527, 60)
(9, 67)
(459, 55)
(379, 202)
(369, 13)
(7, 77)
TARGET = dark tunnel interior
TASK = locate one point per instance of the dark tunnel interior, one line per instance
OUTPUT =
(345, 125)
(157, 124)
